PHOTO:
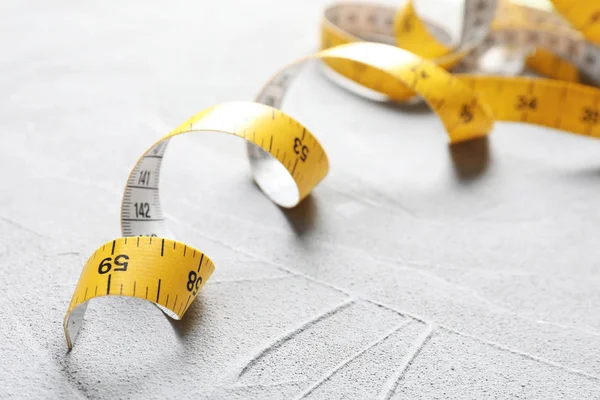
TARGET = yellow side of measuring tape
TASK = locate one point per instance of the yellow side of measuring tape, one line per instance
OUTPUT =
(165, 272)
(287, 161)
(161, 270)
(584, 16)
(557, 104)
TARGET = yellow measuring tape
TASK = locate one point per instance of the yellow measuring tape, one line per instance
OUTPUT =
(562, 105)
(287, 161)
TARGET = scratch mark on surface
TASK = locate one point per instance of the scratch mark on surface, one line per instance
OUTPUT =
(26, 229)
(68, 253)
(471, 291)
(378, 206)
(477, 296)
(321, 241)
(278, 342)
(407, 361)
(508, 272)
(523, 354)
(401, 313)
(293, 272)
(260, 279)
(264, 260)
(328, 375)
(487, 342)
(561, 326)
(272, 384)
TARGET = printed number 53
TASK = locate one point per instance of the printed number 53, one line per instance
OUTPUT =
(300, 149)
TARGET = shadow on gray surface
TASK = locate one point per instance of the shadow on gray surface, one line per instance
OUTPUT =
(302, 217)
(416, 106)
(192, 318)
(471, 158)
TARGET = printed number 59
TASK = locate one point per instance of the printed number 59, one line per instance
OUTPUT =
(120, 261)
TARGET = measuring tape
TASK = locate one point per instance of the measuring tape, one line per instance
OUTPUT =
(287, 161)
(557, 104)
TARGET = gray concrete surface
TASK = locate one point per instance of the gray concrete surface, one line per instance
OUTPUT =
(414, 270)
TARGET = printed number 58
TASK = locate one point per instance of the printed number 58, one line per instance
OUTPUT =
(194, 282)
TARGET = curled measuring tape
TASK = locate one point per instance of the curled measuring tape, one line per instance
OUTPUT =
(146, 263)
(287, 163)
(557, 104)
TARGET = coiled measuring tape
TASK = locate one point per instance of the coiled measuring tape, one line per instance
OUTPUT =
(557, 104)
(287, 161)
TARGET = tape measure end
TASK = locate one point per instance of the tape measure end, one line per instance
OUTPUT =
(72, 324)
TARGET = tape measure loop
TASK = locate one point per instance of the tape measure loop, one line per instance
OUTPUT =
(160, 270)
(400, 75)
(467, 104)
(146, 263)
(287, 161)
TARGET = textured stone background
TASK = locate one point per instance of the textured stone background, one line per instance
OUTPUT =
(415, 269)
